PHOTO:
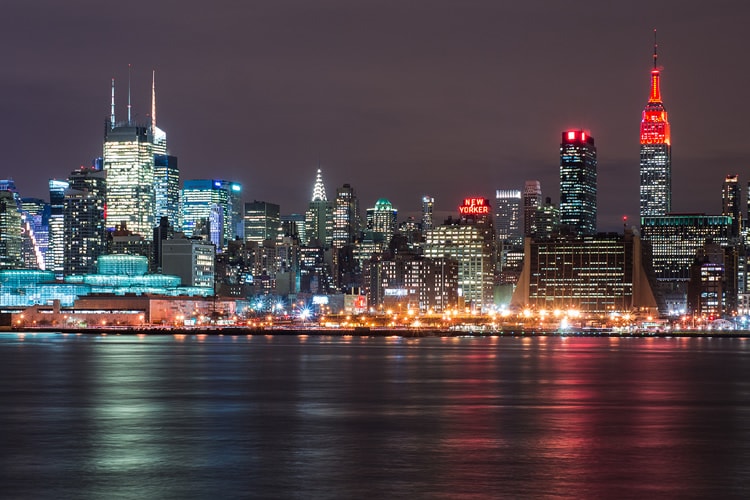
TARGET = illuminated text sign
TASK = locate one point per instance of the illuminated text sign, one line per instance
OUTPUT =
(474, 206)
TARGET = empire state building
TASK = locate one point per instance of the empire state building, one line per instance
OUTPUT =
(656, 153)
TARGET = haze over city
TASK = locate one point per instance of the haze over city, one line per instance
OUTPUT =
(398, 99)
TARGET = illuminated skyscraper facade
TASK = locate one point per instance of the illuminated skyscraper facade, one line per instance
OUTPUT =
(532, 199)
(35, 213)
(346, 219)
(129, 163)
(676, 238)
(428, 206)
(10, 231)
(508, 217)
(382, 219)
(594, 274)
(84, 232)
(167, 189)
(656, 154)
(730, 203)
(466, 244)
(319, 216)
(470, 240)
(208, 210)
(578, 183)
(262, 221)
(54, 258)
(128, 160)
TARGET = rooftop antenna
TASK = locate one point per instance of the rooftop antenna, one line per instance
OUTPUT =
(655, 46)
(112, 115)
(129, 67)
(153, 100)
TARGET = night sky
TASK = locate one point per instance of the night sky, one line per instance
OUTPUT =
(398, 98)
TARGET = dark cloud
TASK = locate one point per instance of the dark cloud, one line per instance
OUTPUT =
(397, 98)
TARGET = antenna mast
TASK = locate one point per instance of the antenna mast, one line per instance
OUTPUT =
(129, 66)
(153, 100)
(112, 115)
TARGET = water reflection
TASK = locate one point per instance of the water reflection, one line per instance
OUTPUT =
(264, 416)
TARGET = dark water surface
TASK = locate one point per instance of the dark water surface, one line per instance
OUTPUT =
(310, 417)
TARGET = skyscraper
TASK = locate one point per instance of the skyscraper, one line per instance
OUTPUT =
(578, 183)
(656, 153)
(319, 216)
(471, 241)
(56, 246)
(262, 221)
(35, 213)
(508, 216)
(730, 203)
(346, 218)
(129, 150)
(10, 230)
(209, 208)
(532, 199)
(84, 232)
(428, 205)
(382, 219)
(547, 220)
(167, 189)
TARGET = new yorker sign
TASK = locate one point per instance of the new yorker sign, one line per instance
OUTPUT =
(474, 206)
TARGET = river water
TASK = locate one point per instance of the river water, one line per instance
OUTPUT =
(100, 417)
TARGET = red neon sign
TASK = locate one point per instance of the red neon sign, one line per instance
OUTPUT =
(474, 206)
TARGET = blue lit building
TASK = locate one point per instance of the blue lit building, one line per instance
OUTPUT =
(56, 246)
(212, 208)
(116, 275)
(167, 189)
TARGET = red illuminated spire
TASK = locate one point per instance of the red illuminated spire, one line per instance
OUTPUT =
(655, 90)
(654, 123)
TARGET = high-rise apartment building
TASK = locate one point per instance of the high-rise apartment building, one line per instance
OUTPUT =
(656, 153)
(346, 218)
(508, 217)
(319, 216)
(532, 199)
(730, 203)
(84, 231)
(578, 183)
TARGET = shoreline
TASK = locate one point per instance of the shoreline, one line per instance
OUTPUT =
(378, 332)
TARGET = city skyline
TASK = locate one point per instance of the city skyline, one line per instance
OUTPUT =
(383, 92)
